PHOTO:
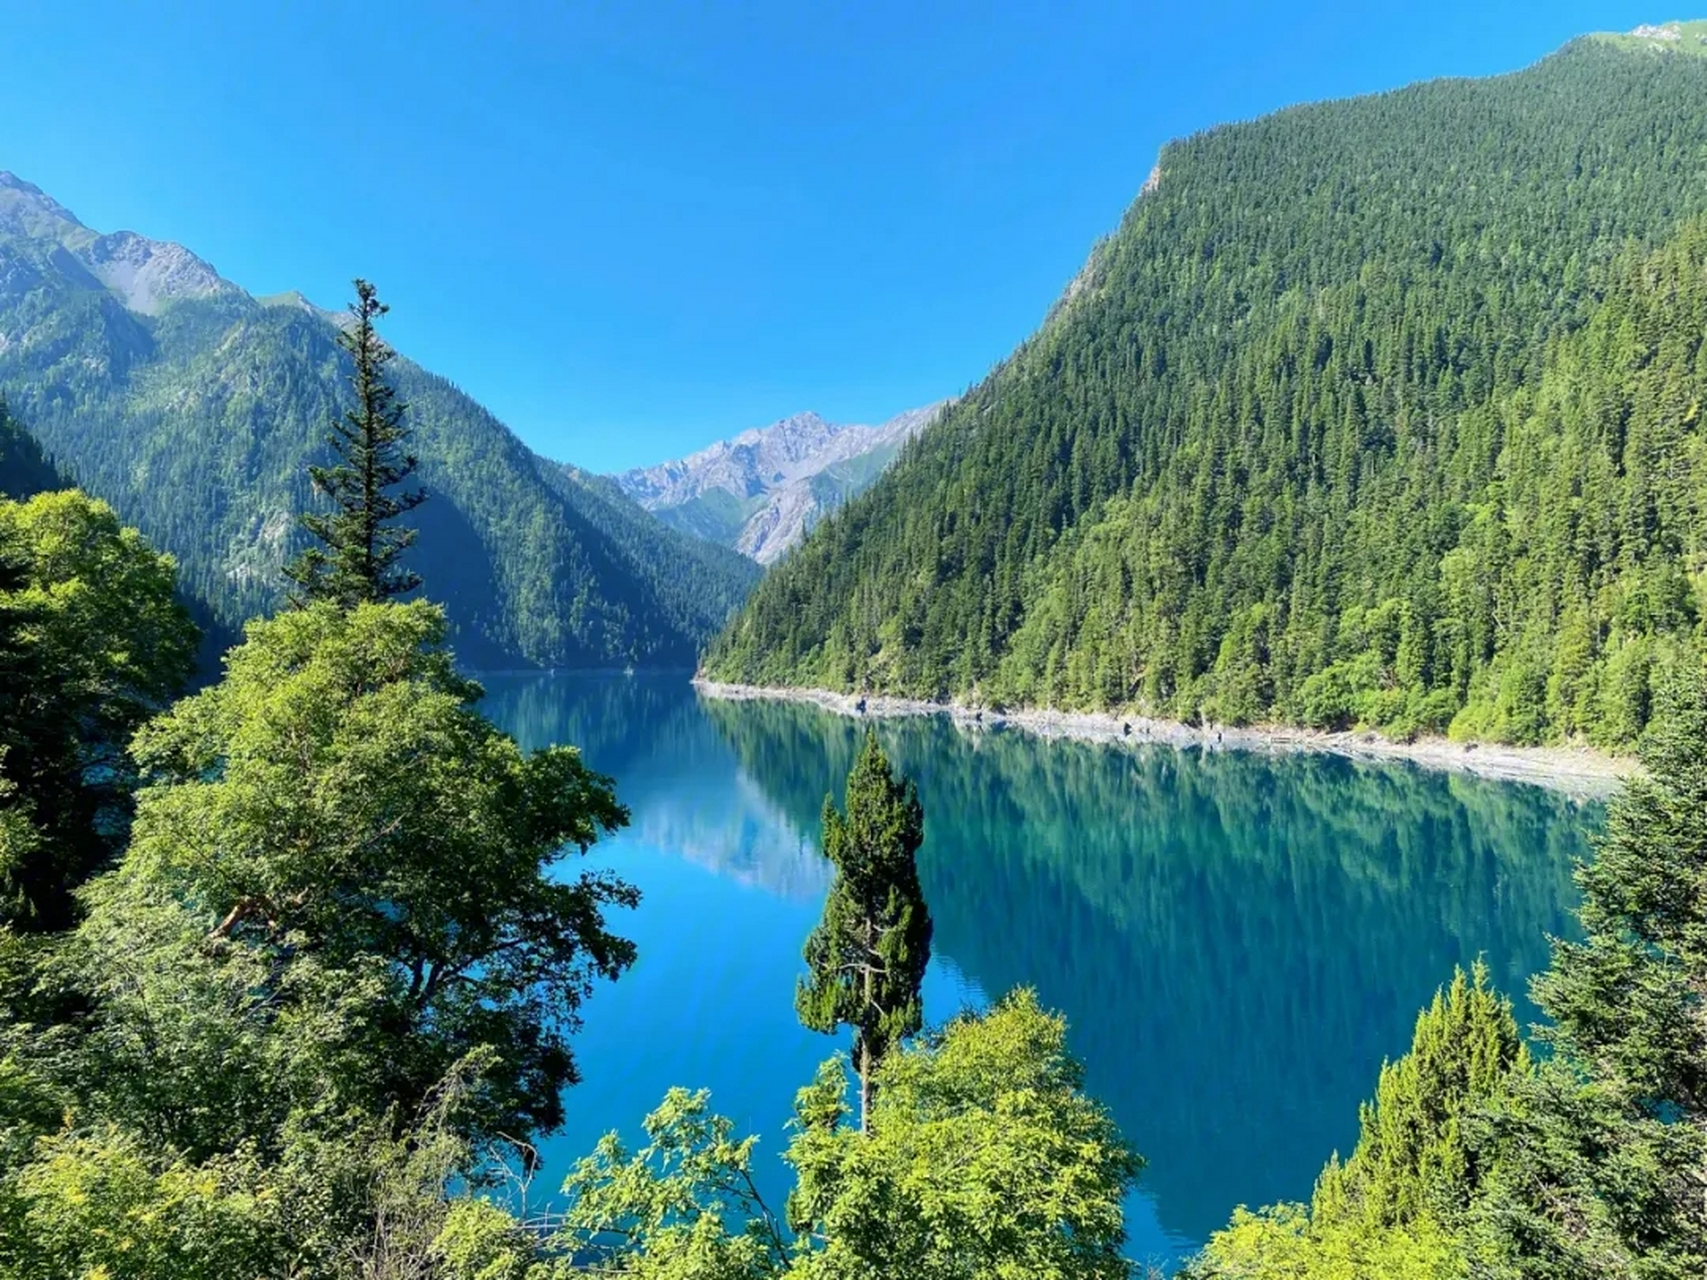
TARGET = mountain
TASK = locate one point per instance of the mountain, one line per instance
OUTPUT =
(195, 409)
(1383, 411)
(763, 490)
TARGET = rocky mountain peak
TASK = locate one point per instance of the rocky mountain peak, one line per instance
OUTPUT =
(760, 491)
(143, 274)
(146, 274)
(27, 210)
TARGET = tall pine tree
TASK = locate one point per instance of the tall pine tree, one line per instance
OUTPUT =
(1602, 1166)
(359, 562)
(867, 956)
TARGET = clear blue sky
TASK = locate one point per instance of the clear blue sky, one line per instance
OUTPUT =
(631, 228)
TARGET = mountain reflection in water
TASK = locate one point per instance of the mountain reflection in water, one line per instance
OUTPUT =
(1237, 939)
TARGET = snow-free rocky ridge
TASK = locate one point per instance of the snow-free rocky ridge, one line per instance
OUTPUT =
(761, 491)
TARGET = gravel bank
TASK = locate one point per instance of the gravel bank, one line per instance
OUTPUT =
(1579, 772)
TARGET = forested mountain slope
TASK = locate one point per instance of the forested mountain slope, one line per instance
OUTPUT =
(194, 409)
(1375, 411)
(24, 468)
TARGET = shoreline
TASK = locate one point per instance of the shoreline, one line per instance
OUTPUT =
(1580, 773)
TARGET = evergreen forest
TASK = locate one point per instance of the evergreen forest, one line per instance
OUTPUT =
(197, 416)
(1382, 413)
(291, 969)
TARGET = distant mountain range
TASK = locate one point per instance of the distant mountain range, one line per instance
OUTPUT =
(195, 409)
(763, 490)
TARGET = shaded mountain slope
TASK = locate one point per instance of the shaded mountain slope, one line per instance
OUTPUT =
(24, 467)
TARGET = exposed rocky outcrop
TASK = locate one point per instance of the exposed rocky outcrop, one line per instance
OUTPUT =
(142, 274)
(762, 490)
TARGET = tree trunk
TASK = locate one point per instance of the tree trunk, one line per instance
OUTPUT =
(864, 1085)
(866, 1065)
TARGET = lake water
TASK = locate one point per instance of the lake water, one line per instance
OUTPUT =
(1236, 939)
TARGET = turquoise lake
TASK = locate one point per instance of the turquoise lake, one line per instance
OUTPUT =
(1237, 939)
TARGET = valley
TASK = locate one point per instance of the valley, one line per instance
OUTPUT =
(1224, 798)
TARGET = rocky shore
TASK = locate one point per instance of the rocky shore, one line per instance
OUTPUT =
(1579, 772)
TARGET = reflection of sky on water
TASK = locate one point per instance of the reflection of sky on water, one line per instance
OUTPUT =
(1237, 940)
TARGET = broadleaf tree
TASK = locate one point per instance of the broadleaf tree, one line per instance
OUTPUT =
(981, 1156)
(92, 643)
(338, 806)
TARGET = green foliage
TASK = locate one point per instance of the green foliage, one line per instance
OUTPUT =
(336, 803)
(1119, 874)
(1411, 1158)
(96, 1201)
(102, 1205)
(92, 642)
(198, 425)
(1397, 1208)
(480, 1241)
(1371, 412)
(1283, 1243)
(982, 1157)
(866, 958)
(338, 961)
(359, 561)
(1472, 1160)
(1608, 1141)
(24, 469)
(715, 515)
(665, 1211)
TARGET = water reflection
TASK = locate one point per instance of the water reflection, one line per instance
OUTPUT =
(1237, 939)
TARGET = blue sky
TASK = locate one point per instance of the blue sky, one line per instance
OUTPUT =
(631, 228)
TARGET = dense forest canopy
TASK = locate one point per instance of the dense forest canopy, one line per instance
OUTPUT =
(24, 468)
(1381, 412)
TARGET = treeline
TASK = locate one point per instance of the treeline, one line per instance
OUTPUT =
(1381, 412)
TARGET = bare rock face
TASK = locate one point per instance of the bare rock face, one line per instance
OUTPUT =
(761, 491)
(143, 274)
(750, 464)
(146, 274)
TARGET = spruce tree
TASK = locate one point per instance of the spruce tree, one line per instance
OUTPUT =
(358, 563)
(867, 957)
(1603, 1155)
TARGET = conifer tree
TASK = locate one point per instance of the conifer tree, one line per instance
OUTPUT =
(1604, 1154)
(358, 564)
(867, 956)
